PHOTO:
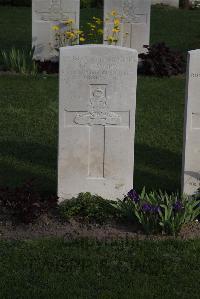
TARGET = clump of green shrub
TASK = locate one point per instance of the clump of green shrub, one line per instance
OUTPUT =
(89, 208)
(162, 61)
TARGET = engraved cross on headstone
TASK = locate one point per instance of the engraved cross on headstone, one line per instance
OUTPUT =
(131, 14)
(98, 118)
(135, 24)
(52, 10)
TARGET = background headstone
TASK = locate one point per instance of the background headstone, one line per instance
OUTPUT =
(174, 3)
(191, 152)
(136, 23)
(96, 120)
(44, 15)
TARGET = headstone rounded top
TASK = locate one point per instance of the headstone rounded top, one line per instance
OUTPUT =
(78, 47)
(197, 51)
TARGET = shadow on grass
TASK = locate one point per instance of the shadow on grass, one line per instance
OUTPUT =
(14, 176)
(21, 161)
(157, 168)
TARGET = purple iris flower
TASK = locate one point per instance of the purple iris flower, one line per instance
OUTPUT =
(132, 194)
(62, 26)
(177, 206)
(155, 209)
(146, 207)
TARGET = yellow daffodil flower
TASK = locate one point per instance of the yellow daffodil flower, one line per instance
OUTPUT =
(69, 21)
(116, 30)
(55, 27)
(110, 38)
(69, 34)
(114, 13)
(78, 32)
(116, 22)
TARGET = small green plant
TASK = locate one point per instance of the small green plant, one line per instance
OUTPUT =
(94, 31)
(196, 196)
(19, 61)
(89, 208)
(174, 212)
(113, 34)
(159, 212)
(142, 209)
(66, 34)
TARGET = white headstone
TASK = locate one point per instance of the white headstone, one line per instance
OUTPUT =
(191, 153)
(136, 23)
(44, 15)
(96, 120)
(174, 3)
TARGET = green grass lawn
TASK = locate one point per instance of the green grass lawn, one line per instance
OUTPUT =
(29, 120)
(15, 27)
(178, 28)
(86, 269)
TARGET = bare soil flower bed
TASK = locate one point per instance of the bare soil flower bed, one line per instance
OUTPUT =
(49, 225)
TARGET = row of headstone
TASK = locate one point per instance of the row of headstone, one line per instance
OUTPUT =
(134, 30)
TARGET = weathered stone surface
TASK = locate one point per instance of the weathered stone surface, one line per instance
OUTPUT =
(96, 120)
(174, 3)
(136, 23)
(44, 15)
(191, 152)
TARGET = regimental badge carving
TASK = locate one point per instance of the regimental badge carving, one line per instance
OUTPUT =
(55, 10)
(98, 110)
(54, 13)
(129, 11)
